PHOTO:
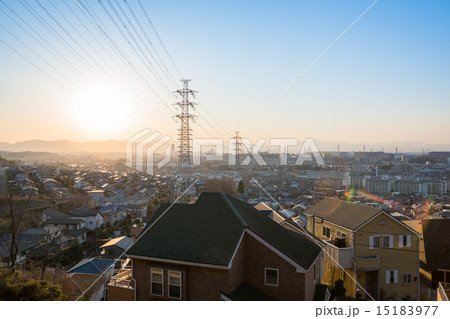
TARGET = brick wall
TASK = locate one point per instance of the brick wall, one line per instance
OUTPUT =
(257, 258)
(249, 263)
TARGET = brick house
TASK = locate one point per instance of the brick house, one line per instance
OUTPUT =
(220, 248)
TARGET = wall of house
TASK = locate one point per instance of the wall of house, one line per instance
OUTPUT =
(317, 229)
(112, 252)
(291, 284)
(333, 273)
(198, 283)
(402, 259)
(249, 263)
(116, 293)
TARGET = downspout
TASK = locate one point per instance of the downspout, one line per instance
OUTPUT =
(418, 268)
(314, 226)
(353, 259)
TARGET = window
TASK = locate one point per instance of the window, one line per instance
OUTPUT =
(271, 277)
(407, 279)
(341, 235)
(374, 242)
(404, 241)
(385, 241)
(157, 282)
(381, 241)
(326, 231)
(175, 284)
(391, 276)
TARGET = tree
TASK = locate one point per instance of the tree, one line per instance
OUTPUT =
(241, 187)
(14, 286)
(16, 212)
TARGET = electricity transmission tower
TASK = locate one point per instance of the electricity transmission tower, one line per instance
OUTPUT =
(238, 149)
(185, 132)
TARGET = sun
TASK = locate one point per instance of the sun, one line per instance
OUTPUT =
(103, 113)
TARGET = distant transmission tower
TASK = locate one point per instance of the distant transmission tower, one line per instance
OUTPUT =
(185, 132)
(238, 149)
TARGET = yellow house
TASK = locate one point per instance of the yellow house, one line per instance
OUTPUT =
(366, 245)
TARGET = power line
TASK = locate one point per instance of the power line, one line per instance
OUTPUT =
(159, 38)
(162, 65)
(313, 63)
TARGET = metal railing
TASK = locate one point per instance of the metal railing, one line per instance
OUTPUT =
(444, 290)
(122, 279)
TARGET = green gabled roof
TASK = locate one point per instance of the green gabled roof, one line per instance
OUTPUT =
(209, 231)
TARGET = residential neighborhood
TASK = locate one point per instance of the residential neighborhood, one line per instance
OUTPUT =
(276, 238)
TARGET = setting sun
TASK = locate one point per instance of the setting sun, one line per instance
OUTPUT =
(102, 112)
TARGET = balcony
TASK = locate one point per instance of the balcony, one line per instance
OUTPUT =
(370, 263)
(121, 287)
(443, 291)
(340, 255)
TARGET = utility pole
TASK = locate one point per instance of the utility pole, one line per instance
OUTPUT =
(185, 132)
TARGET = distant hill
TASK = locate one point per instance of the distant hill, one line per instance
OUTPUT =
(114, 146)
(64, 146)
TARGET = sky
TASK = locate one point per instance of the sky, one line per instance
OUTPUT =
(385, 80)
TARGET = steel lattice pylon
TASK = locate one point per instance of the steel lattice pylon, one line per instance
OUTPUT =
(185, 132)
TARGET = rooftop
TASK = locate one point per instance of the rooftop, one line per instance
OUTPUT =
(122, 242)
(339, 212)
(209, 230)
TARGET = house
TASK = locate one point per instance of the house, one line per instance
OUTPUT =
(88, 284)
(92, 218)
(221, 248)
(95, 266)
(26, 244)
(74, 235)
(73, 230)
(135, 232)
(112, 214)
(115, 247)
(372, 247)
(53, 214)
(269, 212)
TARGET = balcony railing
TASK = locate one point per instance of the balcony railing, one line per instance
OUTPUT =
(334, 255)
(444, 291)
(122, 279)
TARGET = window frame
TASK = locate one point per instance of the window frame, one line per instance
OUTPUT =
(161, 283)
(265, 277)
(381, 238)
(391, 274)
(169, 284)
(401, 241)
(410, 279)
(329, 232)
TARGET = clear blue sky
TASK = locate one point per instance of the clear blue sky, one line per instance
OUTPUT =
(386, 80)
